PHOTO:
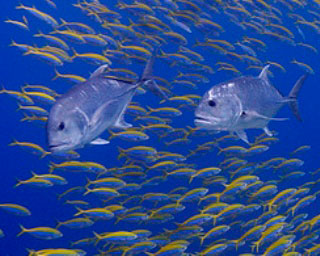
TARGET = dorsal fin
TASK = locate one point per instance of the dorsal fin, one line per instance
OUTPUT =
(99, 70)
(264, 73)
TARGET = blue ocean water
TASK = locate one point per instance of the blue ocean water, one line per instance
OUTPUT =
(18, 70)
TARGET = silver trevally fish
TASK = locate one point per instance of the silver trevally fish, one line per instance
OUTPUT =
(243, 103)
(79, 116)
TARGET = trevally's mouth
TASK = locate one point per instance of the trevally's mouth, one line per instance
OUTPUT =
(59, 147)
(203, 120)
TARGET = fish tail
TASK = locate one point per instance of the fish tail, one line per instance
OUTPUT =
(121, 153)
(80, 211)
(88, 190)
(13, 43)
(178, 224)
(237, 243)
(89, 182)
(23, 230)
(59, 224)
(58, 75)
(98, 237)
(124, 252)
(146, 80)
(293, 102)
(14, 143)
(112, 134)
(39, 33)
(118, 220)
(150, 110)
(254, 246)
(63, 22)
(21, 6)
(19, 182)
(19, 108)
(202, 240)
(214, 217)
(162, 53)
(52, 166)
(44, 154)
(34, 175)
(121, 5)
(153, 212)
(75, 54)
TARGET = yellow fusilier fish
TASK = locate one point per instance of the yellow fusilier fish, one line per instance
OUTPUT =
(98, 213)
(57, 251)
(48, 57)
(39, 14)
(46, 233)
(15, 209)
(115, 237)
(54, 40)
(94, 58)
(31, 147)
(19, 96)
(20, 24)
(35, 182)
(70, 77)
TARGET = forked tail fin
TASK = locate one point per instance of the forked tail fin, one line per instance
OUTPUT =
(293, 101)
(147, 81)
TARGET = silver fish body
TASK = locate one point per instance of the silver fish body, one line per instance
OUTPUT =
(244, 103)
(79, 116)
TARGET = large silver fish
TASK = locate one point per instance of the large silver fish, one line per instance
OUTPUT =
(79, 116)
(243, 103)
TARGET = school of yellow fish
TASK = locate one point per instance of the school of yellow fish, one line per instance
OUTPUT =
(229, 208)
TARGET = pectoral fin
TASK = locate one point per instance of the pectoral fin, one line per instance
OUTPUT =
(243, 136)
(120, 123)
(99, 141)
(253, 114)
(104, 112)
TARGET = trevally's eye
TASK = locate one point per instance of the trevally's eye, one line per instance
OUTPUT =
(212, 103)
(61, 126)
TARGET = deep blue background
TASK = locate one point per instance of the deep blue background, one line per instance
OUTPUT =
(17, 70)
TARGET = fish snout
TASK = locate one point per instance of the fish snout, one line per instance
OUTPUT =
(201, 119)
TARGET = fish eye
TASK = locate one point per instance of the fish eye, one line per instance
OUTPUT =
(61, 126)
(212, 103)
(243, 114)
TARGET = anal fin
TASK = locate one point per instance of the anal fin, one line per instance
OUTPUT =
(267, 131)
(99, 141)
(121, 124)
